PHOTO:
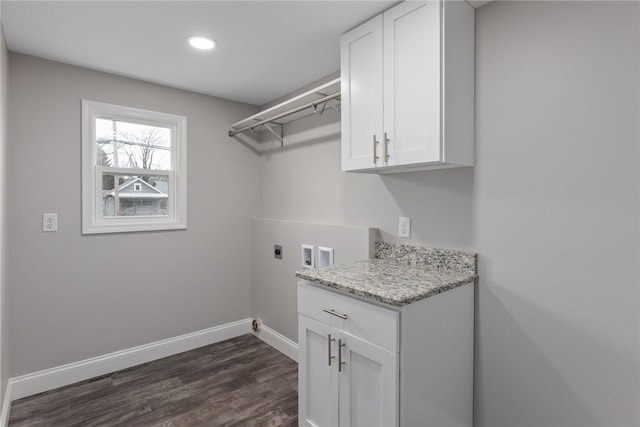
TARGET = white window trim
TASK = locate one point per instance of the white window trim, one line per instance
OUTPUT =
(93, 221)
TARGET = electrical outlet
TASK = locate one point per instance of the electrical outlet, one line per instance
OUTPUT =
(277, 251)
(404, 227)
(49, 222)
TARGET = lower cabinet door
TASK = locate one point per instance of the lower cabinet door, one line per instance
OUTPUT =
(317, 373)
(368, 384)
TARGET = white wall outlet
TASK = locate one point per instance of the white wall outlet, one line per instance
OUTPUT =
(405, 227)
(49, 222)
(308, 256)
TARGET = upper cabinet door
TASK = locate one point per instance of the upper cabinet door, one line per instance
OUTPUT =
(412, 77)
(362, 100)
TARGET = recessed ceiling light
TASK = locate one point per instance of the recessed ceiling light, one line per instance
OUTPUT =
(202, 43)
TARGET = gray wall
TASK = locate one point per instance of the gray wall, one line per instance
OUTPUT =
(73, 296)
(552, 208)
(303, 182)
(556, 213)
(274, 296)
(4, 347)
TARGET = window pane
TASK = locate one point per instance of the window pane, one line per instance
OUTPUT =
(135, 195)
(104, 129)
(132, 145)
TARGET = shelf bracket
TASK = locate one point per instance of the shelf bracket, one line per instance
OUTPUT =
(278, 137)
(332, 103)
(315, 108)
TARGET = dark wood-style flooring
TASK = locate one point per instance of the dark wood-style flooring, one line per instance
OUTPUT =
(238, 382)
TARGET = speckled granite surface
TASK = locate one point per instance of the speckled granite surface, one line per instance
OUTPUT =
(401, 275)
(387, 281)
(431, 258)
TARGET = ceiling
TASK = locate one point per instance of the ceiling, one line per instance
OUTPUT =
(265, 48)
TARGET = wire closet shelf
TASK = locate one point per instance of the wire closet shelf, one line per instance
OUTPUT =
(314, 101)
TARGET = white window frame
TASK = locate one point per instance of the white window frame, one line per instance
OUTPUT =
(93, 221)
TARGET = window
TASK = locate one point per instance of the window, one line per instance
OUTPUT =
(134, 169)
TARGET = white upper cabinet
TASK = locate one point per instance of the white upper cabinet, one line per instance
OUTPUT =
(408, 89)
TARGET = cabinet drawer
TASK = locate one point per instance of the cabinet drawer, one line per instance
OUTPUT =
(372, 323)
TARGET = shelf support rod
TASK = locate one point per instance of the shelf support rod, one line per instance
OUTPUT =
(324, 99)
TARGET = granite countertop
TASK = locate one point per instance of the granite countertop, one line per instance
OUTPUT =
(399, 275)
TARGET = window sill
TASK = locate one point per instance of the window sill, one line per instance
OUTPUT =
(128, 228)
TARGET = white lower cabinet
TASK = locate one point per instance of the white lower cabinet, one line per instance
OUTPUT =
(362, 364)
(346, 381)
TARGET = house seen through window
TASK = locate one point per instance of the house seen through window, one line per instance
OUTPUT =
(135, 146)
(134, 169)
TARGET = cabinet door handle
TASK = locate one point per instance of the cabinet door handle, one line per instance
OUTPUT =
(340, 362)
(375, 150)
(335, 313)
(329, 341)
(386, 148)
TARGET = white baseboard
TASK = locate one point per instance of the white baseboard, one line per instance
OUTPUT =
(6, 406)
(48, 379)
(278, 341)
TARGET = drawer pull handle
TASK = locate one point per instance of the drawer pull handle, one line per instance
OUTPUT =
(340, 361)
(335, 313)
(329, 341)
